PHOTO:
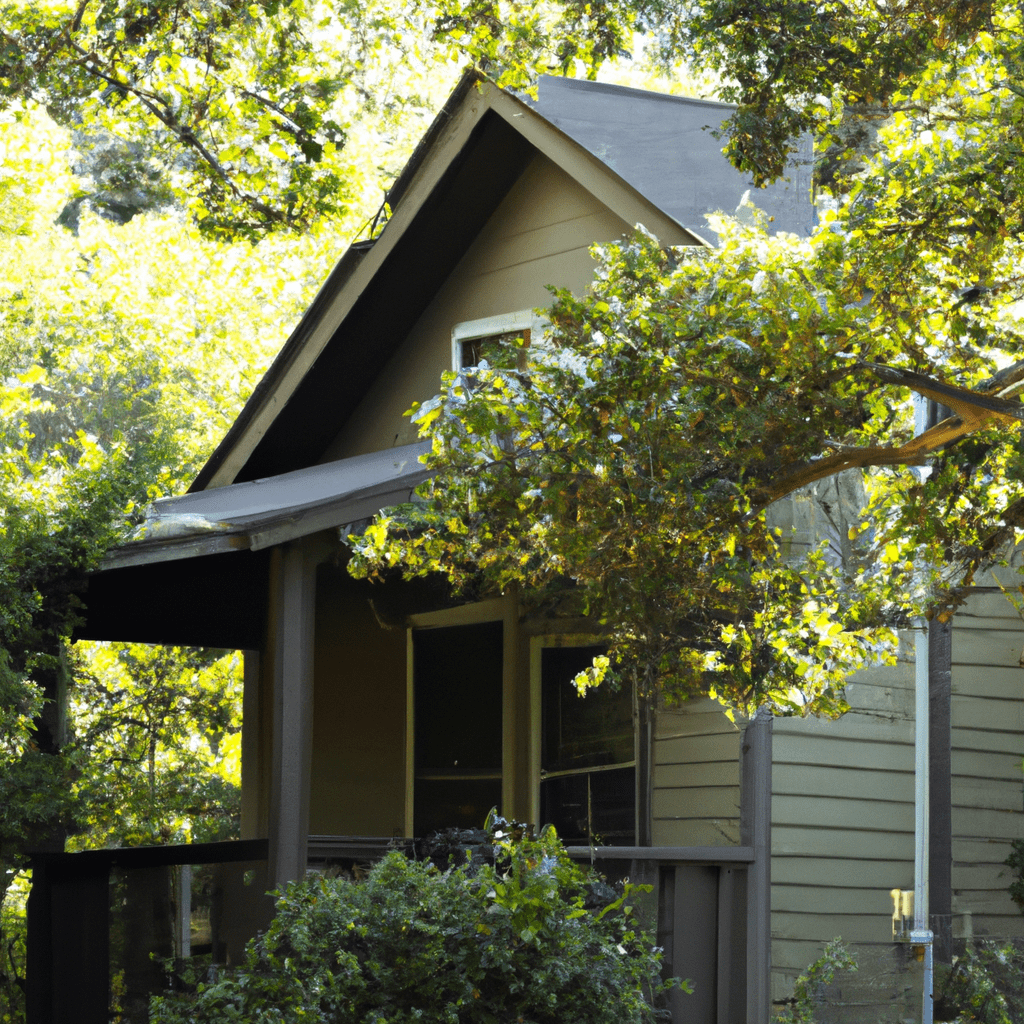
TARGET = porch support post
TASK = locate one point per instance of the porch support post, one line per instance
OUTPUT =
(756, 831)
(292, 613)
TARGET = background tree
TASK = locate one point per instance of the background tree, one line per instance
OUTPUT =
(125, 351)
(161, 730)
(245, 112)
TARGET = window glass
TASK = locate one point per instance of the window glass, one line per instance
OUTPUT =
(592, 807)
(504, 351)
(588, 776)
(582, 732)
(457, 697)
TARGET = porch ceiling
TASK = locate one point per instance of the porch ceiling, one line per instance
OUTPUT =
(197, 574)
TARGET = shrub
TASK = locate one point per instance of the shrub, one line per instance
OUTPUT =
(1016, 862)
(985, 984)
(523, 939)
(810, 987)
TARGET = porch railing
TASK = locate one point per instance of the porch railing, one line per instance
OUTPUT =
(699, 907)
(102, 922)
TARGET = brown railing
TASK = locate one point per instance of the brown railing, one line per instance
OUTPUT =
(102, 922)
(699, 908)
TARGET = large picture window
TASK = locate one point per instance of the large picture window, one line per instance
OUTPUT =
(588, 768)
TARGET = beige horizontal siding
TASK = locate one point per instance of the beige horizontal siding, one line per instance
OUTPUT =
(695, 749)
(999, 681)
(800, 898)
(852, 928)
(683, 804)
(843, 804)
(842, 872)
(696, 832)
(799, 779)
(696, 776)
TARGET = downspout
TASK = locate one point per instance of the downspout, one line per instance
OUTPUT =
(922, 935)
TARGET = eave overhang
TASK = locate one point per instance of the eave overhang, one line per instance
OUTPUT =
(198, 574)
(261, 513)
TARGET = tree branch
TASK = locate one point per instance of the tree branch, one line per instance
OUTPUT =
(183, 132)
(973, 411)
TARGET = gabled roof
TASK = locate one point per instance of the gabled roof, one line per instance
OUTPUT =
(665, 147)
(199, 576)
(473, 153)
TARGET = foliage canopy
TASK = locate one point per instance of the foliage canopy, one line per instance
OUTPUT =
(630, 470)
(242, 110)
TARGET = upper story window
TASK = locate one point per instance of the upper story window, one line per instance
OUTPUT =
(500, 340)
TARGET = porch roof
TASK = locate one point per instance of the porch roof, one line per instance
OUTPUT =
(197, 574)
(261, 513)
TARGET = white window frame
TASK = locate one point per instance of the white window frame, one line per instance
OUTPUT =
(502, 323)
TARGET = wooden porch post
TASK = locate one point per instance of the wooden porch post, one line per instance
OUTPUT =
(756, 831)
(290, 661)
(68, 942)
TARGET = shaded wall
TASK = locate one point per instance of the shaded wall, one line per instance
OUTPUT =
(541, 234)
(358, 784)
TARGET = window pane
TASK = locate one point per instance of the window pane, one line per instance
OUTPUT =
(458, 699)
(505, 351)
(592, 806)
(582, 732)
(457, 688)
(459, 803)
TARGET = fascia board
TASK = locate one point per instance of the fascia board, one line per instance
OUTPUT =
(142, 553)
(329, 516)
(592, 173)
(450, 142)
(279, 529)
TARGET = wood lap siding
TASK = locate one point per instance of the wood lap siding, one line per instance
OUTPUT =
(843, 806)
(696, 777)
(988, 748)
(842, 825)
(540, 234)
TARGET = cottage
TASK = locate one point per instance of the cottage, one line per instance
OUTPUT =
(372, 714)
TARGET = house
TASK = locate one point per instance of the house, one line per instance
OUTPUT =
(379, 713)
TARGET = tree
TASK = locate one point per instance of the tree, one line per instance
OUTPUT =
(629, 471)
(125, 351)
(243, 111)
(160, 731)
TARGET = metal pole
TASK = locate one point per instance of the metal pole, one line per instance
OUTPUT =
(921, 935)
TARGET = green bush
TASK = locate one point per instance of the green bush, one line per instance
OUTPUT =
(530, 938)
(985, 985)
(1016, 861)
(810, 987)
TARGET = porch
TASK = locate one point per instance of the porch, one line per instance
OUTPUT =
(102, 923)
